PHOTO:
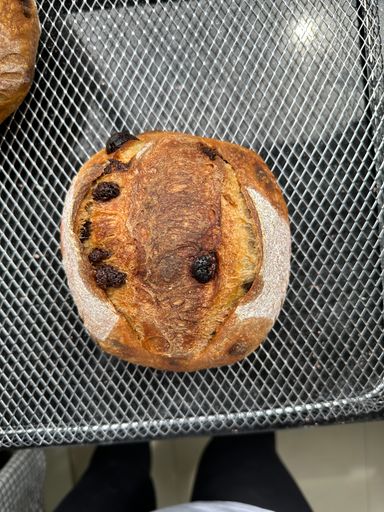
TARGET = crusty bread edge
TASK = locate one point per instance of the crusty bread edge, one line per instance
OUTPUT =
(97, 312)
(276, 262)
(23, 27)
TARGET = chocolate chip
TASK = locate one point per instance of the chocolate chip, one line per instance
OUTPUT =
(109, 277)
(97, 255)
(208, 151)
(85, 231)
(203, 267)
(247, 286)
(105, 191)
(115, 166)
(117, 139)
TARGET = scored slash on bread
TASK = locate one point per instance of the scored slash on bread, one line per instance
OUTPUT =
(187, 258)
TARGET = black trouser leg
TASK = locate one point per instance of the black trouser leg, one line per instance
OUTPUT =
(117, 480)
(247, 469)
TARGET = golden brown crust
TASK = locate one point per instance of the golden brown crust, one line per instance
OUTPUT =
(19, 37)
(179, 196)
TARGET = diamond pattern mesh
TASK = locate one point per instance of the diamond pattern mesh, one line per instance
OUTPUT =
(298, 81)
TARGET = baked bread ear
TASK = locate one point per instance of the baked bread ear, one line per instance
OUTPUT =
(176, 249)
(19, 38)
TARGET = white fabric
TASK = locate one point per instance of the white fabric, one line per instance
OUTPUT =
(213, 506)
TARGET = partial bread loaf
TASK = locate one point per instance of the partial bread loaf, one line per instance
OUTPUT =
(19, 38)
(176, 249)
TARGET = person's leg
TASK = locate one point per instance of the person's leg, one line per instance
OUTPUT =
(117, 480)
(247, 469)
(5, 455)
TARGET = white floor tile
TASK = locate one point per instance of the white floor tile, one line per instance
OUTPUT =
(187, 456)
(79, 457)
(163, 473)
(329, 465)
(374, 444)
(58, 480)
(173, 468)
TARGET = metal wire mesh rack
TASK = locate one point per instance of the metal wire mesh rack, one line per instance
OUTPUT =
(300, 82)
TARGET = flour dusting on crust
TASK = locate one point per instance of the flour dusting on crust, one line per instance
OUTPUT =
(98, 315)
(276, 265)
(144, 149)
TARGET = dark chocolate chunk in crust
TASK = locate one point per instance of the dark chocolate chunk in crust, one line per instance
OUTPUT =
(116, 166)
(208, 151)
(117, 139)
(109, 277)
(204, 266)
(105, 191)
(85, 231)
(247, 286)
(97, 255)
